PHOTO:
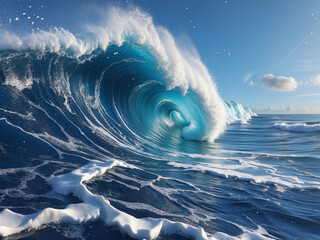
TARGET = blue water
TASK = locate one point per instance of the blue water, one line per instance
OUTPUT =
(59, 112)
(205, 199)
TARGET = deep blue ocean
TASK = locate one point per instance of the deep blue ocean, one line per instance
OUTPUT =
(125, 137)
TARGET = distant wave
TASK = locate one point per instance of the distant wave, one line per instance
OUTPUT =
(298, 127)
(238, 114)
(247, 169)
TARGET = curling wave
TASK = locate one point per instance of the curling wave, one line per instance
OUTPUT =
(134, 36)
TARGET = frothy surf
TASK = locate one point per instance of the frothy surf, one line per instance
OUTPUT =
(95, 207)
(250, 171)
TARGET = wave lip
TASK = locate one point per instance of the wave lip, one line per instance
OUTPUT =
(298, 127)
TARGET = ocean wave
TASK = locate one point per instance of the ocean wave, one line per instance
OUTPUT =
(120, 85)
(298, 127)
(182, 70)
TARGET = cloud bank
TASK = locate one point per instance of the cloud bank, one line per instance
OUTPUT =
(279, 83)
(315, 81)
(288, 110)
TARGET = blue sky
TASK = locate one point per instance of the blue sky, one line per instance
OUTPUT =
(264, 54)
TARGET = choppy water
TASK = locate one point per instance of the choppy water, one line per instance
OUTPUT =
(254, 176)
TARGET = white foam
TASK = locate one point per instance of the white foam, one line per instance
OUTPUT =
(73, 232)
(20, 83)
(249, 171)
(27, 116)
(96, 207)
(298, 127)
(183, 70)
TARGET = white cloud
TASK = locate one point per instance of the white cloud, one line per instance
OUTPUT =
(279, 83)
(308, 95)
(251, 83)
(290, 108)
(315, 81)
(248, 76)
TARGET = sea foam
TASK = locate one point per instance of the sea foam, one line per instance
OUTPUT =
(246, 169)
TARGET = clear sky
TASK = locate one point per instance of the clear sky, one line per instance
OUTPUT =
(264, 54)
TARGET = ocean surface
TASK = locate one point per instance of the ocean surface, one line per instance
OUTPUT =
(120, 134)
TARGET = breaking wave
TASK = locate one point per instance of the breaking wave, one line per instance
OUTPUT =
(306, 127)
(124, 82)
